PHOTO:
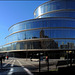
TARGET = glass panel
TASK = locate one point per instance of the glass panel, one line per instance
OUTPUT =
(50, 22)
(54, 5)
(17, 46)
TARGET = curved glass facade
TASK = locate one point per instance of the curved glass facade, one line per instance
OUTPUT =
(59, 14)
(41, 23)
(53, 28)
(55, 7)
(54, 32)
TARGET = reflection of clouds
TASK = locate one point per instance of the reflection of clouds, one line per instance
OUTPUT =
(39, 10)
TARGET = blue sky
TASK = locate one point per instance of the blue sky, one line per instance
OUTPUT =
(12, 12)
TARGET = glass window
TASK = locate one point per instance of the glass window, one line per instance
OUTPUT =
(17, 46)
(50, 22)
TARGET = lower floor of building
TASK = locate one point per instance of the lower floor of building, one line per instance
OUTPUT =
(55, 54)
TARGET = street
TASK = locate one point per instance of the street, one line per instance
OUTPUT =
(19, 66)
(24, 66)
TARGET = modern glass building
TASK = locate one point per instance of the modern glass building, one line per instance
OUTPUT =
(53, 27)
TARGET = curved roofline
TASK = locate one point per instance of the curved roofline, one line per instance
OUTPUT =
(48, 2)
(56, 11)
(21, 22)
(43, 4)
(38, 19)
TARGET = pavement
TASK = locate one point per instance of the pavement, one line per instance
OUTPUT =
(17, 66)
(22, 66)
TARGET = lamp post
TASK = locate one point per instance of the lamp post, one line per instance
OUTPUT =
(70, 56)
(39, 61)
(70, 52)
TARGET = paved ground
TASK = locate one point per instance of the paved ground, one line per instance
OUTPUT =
(22, 66)
(17, 66)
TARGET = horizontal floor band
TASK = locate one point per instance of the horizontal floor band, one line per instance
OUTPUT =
(40, 39)
(42, 28)
(39, 50)
(55, 11)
